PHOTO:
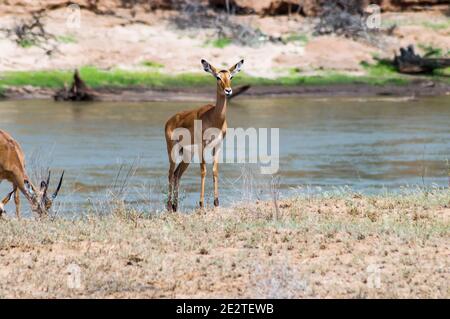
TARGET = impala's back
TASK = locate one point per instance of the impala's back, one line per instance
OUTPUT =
(12, 161)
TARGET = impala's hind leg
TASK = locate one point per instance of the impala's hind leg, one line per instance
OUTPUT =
(4, 202)
(172, 163)
(178, 173)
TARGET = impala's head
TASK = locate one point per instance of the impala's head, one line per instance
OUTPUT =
(223, 77)
(41, 201)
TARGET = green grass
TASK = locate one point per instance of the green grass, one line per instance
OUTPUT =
(436, 26)
(380, 69)
(121, 78)
(66, 39)
(433, 52)
(442, 74)
(152, 64)
(296, 37)
(220, 42)
(26, 43)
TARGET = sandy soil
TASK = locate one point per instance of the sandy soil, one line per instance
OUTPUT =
(111, 41)
(345, 246)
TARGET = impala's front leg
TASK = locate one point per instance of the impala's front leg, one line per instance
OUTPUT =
(17, 202)
(203, 175)
(216, 177)
(171, 178)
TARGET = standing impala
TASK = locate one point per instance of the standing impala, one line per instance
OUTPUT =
(211, 116)
(12, 168)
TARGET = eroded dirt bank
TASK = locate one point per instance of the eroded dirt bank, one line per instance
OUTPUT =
(415, 89)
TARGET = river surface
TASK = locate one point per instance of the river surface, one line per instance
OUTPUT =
(367, 144)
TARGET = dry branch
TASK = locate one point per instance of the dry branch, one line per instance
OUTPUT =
(240, 90)
(79, 91)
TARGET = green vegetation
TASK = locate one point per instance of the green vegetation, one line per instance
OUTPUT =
(442, 74)
(433, 52)
(385, 71)
(380, 69)
(302, 38)
(220, 42)
(123, 78)
(66, 39)
(152, 64)
(436, 26)
(26, 43)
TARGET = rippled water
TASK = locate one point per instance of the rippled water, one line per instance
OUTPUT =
(368, 144)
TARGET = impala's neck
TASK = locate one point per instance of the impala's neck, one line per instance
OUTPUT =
(221, 105)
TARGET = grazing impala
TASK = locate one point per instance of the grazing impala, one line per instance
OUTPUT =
(211, 116)
(12, 168)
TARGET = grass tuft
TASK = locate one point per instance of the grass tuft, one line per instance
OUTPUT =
(220, 43)
(152, 64)
(297, 37)
(66, 39)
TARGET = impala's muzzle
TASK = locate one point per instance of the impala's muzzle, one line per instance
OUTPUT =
(228, 92)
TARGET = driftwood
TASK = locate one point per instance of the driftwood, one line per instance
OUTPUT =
(239, 90)
(411, 63)
(78, 91)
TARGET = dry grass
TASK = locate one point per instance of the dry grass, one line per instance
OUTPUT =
(316, 246)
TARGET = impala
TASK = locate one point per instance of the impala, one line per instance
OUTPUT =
(211, 116)
(12, 168)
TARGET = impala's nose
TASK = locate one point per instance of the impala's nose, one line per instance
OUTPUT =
(228, 92)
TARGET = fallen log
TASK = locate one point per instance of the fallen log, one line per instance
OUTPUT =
(411, 63)
(79, 91)
(240, 90)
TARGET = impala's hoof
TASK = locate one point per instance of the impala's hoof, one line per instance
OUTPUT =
(169, 206)
(200, 204)
(216, 202)
(174, 207)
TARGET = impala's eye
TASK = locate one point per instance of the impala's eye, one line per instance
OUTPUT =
(218, 78)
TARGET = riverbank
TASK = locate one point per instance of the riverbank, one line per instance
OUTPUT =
(417, 88)
(329, 246)
(120, 85)
(150, 57)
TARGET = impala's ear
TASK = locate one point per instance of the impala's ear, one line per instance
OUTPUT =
(236, 68)
(209, 68)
